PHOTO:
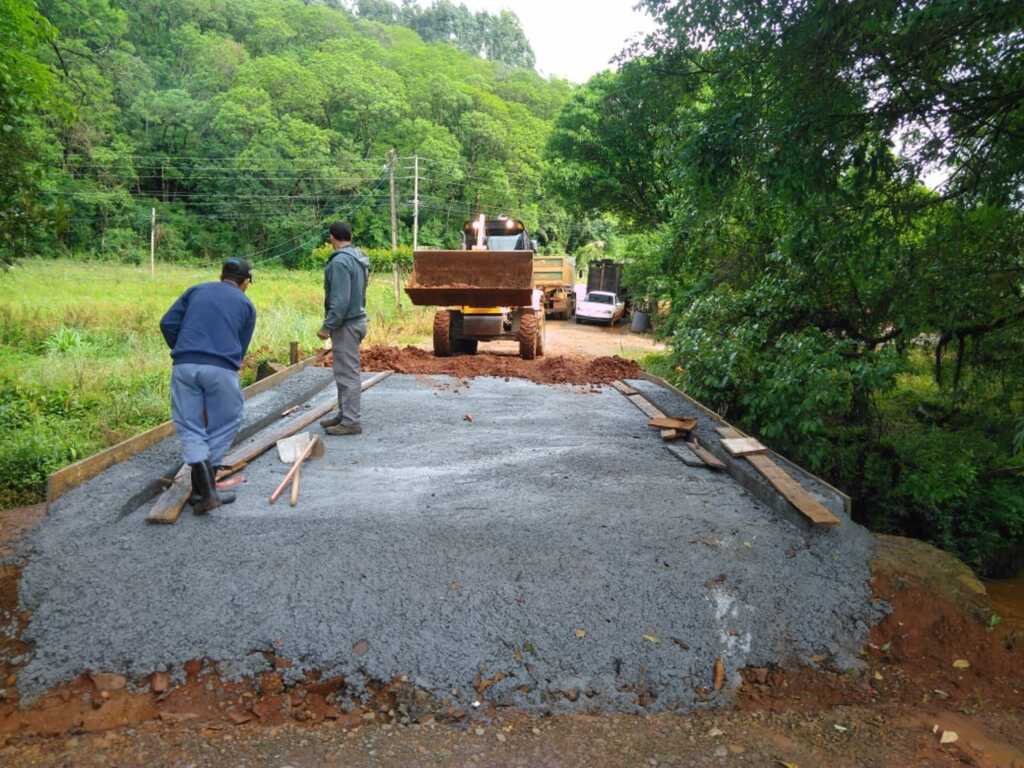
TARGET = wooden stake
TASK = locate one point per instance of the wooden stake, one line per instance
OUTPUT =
(293, 352)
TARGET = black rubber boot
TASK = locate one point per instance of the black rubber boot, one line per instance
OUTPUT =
(204, 489)
(226, 497)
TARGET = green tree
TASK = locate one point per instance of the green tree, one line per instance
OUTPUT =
(25, 87)
(774, 153)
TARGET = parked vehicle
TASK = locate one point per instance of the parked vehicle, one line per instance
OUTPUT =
(553, 276)
(600, 307)
(605, 275)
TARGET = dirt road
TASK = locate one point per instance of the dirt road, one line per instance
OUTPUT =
(865, 737)
(568, 338)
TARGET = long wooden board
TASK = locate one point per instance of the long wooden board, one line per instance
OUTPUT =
(75, 474)
(685, 455)
(704, 454)
(792, 490)
(650, 409)
(167, 507)
(843, 498)
(783, 482)
(624, 388)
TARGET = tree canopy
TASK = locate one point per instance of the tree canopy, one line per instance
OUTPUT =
(830, 196)
(248, 123)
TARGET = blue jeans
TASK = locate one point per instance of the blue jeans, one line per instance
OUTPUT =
(206, 406)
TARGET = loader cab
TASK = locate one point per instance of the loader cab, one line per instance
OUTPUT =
(499, 234)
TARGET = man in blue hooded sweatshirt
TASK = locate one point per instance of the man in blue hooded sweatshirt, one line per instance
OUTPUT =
(345, 277)
(208, 330)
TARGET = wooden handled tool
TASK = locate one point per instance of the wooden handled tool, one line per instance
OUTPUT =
(295, 487)
(313, 444)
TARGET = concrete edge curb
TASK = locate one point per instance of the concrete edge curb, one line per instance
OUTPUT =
(747, 476)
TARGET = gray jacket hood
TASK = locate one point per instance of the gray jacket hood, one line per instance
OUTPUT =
(356, 254)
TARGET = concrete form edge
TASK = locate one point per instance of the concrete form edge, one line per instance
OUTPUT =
(73, 475)
(760, 488)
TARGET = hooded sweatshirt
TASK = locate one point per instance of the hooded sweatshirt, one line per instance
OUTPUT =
(345, 276)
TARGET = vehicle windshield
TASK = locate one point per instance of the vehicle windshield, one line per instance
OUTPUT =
(600, 298)
(504, 243)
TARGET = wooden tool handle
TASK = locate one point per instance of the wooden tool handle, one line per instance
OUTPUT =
(295, 487)
(291, 472)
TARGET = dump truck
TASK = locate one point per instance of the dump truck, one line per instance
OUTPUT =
(553, 277)
(605, 275)
(486, 290)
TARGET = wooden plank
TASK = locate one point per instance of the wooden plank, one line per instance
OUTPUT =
(743, 446)
(272, 381)
(685, 455)
(61, 481)
(784, 483)
(843, 498)
(645, 405)
(168, 505)
(792, 491)
(167, 508)
(673, 434)
(668, 422)
(624, 388)
(704, 454)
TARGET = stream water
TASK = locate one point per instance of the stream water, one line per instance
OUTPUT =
(1007, 597)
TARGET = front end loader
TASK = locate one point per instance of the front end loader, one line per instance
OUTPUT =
(486, 291)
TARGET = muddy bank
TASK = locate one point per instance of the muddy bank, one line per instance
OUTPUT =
(544, 370)
(886, 712)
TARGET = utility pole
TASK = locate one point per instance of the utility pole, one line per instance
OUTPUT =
(394, 232)
(416, 203)
(152, 243)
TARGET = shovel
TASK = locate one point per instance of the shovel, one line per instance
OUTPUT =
(294, 450)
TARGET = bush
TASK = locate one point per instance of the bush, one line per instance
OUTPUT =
(27, 457)
(381, 259)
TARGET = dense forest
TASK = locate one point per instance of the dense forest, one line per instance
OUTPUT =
(822, 202)
(247, 123)
(830, 196)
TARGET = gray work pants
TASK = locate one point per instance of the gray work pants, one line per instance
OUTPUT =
(205, 389)
(345, 342)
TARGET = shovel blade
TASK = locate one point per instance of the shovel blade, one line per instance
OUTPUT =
(290, 448)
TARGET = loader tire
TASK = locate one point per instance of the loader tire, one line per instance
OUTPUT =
(528, 334)
(541, 330)
(442, 333)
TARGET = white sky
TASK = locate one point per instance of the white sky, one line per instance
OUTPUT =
(573, 38)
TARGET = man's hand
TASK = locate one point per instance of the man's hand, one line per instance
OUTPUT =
(322, 334)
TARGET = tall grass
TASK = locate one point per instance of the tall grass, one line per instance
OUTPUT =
(83, 364)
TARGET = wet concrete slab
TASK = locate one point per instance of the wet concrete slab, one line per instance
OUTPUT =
(549, 539)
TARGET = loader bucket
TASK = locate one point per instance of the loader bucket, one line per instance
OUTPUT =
(471, 279)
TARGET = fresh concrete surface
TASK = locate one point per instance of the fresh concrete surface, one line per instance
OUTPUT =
(460, 549)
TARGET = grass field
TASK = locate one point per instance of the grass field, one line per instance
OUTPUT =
(83, 364)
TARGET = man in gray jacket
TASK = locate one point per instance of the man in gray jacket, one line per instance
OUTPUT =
(345, 277)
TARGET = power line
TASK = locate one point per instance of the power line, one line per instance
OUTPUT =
(309, 240)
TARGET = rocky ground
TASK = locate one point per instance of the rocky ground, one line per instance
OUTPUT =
(942, 684)
(935, 670)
